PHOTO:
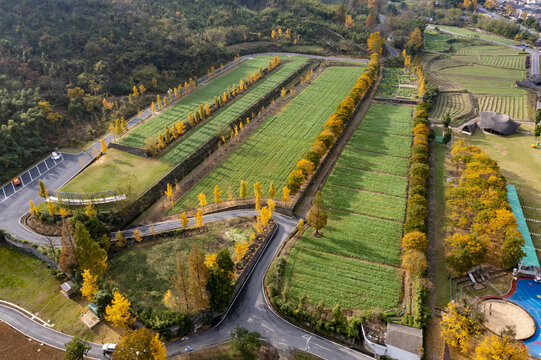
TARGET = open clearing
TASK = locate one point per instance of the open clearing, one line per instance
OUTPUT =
(272, 151)
(27, 282)
(357, 258)
(143, 272)
(191, 101)
(221, 119)
(120, 171)
(16, 346)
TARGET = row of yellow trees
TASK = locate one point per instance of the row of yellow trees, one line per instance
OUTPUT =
(333, 127)
(178, 128)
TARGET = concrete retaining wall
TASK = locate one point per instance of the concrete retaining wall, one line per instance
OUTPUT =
(131, 211)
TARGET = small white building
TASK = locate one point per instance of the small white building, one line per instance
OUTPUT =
(403, 342)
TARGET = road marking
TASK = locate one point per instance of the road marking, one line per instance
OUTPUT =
(323, 347)
(47, 166)
(4, 193)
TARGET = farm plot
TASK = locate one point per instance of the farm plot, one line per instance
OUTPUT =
(392, 78)
(274, 148)
(454, 104)
(332, 279)
(201, 134)
(477, 34)
(366, 210)
(517, 62)
(514, 106)
(381, 144)
(190, 102)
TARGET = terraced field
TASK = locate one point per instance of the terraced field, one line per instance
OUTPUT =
(454, 104)
(480, 35)
(514, 106)
(365, 196)
(190, 102)
(274, 148)
(201, 134)
(517, 62)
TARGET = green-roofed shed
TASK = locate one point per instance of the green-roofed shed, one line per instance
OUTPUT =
(530, 259)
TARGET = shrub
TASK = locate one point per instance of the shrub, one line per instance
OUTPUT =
(419, 149)
(334, 124)
(421, 120)
(417, 210)
(313, 157)
(414, 262)
(319, 147)
(415, 240)
(421, 129)
(414, 224)
(417, 190)
(327, 137)
(416, 181)
(295, 180)
(419, 158)
(421, 170)
(306, 166)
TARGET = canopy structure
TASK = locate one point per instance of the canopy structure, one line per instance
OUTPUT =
(498, 124)
(530, 259)
(469, 127)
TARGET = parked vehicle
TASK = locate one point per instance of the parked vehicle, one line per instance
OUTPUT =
(16, 181)
(55, 156)
(108, 348)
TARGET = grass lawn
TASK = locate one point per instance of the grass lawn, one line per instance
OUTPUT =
(441, 287)
(366, 209)
(120, 171)
(143, 272)
(190, 102)
(521, 166)
(272, 151)
(221, 119)
(27, 282)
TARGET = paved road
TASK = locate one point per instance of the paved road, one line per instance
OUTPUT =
(13, 207)
(250, 309)
(41, 333)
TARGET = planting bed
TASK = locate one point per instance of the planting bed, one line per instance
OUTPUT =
(278, 144)
(516, 106)
(392, 78)
(190, 102)
(219, 121)
(357, 258)
(454, 104)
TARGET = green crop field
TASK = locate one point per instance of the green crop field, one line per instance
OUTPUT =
(190, 102)
(514, 106)
(382, 144)
(366, 210)
(517, 62)
(272, 151)
(331, 279)
(198, 136)
(480, 35)
(454, 104)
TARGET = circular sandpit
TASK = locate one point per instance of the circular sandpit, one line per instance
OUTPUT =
(500, 313)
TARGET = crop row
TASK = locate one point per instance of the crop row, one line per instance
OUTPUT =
(191, 101)
(381, 143)
(358, 159)
(272, 151)
(332, 279)
(514, 106)
(368, 180)
(511, 61)
(375, 240)
(200, 135)
(453, 104)
(397, 120)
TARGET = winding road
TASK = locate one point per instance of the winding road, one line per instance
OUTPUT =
(249, 310)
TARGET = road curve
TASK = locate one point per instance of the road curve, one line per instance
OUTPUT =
(17, 205)
(249, 310)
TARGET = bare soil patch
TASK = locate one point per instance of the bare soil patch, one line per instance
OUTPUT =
(16, 346)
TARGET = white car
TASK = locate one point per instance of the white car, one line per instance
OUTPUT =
(108, 348)
(55, 156)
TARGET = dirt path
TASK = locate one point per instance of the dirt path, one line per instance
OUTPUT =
(306, 203)
(433, 342)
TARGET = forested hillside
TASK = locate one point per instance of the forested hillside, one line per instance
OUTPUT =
(101, 48)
